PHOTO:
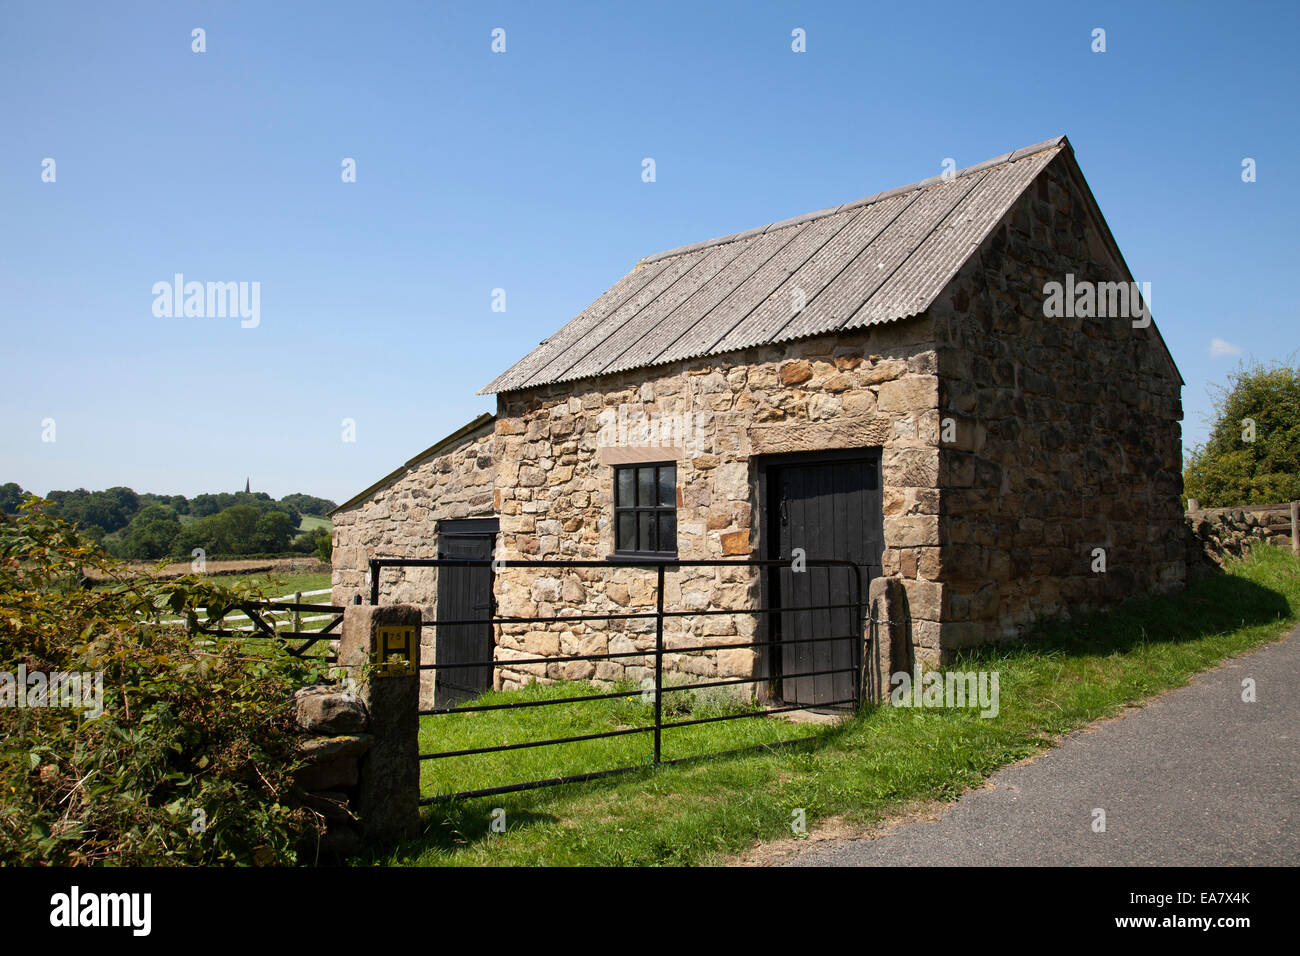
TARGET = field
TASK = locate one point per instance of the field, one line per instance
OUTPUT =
(312, 522)
(274, 572)
(276, 584)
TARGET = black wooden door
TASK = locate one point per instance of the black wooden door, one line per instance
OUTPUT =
(464, 594)
(831, 509)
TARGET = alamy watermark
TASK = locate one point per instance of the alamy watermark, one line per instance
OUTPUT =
(211, 300)
(1086, 300)
(946, 690)
(631, 426)
(73, 690)
(128, 910)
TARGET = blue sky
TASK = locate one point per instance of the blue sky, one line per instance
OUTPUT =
(522, 170)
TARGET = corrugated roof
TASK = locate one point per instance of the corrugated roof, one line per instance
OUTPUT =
(879, 259)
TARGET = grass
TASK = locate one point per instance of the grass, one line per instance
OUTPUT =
(1065, 675)
(275, 585)
(491, 728)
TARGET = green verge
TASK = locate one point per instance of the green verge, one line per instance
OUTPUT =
(1064, 675)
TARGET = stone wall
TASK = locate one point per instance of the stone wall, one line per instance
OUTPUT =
(335, 724)
(872, 388)
(400, 519)
(1215, 536)
(1067, 434)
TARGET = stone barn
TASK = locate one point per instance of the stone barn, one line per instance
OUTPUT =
(957, 384)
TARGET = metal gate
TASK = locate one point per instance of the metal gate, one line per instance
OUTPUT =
(856, 640)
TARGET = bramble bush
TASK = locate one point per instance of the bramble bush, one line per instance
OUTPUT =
(191, 760)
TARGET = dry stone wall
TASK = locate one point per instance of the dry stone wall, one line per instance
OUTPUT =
(1215, 536)
(334, 724)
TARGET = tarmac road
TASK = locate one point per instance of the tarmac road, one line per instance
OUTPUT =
(1195, 778)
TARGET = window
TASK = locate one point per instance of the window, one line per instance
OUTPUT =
(645, 509)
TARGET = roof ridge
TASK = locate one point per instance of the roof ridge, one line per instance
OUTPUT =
(1011, 157)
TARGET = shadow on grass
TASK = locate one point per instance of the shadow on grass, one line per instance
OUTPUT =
(456, 824)
(1213, 605)
(449, 825)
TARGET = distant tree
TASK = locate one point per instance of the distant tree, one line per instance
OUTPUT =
(127, 501)
(152, 533)
(114, 544)
(205, 533)
(127, 524)
(11, 495)
(177, 503)
(1253, 453)
(65, 504)
(272, 533)
(112, 509)
(309, 541)
(225, 534)
(308, 505)
(240, 524)
(203, 505)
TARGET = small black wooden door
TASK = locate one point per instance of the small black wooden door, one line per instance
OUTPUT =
(832, 510)
(464, 594)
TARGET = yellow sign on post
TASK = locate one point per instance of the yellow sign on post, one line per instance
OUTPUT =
(395, 649)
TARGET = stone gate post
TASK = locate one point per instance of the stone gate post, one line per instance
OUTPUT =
(380, 650)
(893, 651)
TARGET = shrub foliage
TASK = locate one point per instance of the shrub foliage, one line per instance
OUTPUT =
(191, 759)
(1241, 465)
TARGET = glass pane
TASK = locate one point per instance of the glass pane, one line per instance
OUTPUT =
(624, 495)
(668, 486)
(626, 531)
(645, 478)
(667, 531)
(646, 521)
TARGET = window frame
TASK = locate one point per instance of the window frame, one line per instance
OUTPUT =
(636, 509)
